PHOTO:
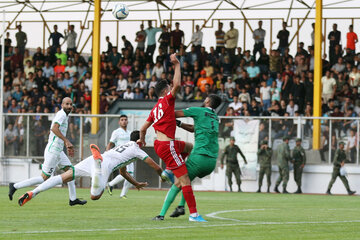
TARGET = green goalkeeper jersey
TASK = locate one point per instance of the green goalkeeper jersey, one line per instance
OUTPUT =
(206, 128)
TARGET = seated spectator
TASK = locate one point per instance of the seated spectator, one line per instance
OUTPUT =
(138, 95)
(148, 72)
(142, 84)
(17, 93)
(236, 105)
(68, 80)
(151, 94)
(275, 92)
(27, 57)
(198, 96)
(70, 68)
(128, 94)
(339, 67)
(203, 80)
(59, 68)
(254, 108)
(121, 84)
(254, 73)
(29, 68)
(48, 70)
(60, 55)
(208, 68)
(291, 108)
(244, 96)
(229, 84)
(158, 70)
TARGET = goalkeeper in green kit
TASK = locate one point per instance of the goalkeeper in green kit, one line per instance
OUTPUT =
(203, 157)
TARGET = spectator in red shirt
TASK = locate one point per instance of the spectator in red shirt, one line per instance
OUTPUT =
(351, 39)
(17, 60)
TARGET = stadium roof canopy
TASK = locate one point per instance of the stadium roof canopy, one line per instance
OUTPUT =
(184, 8)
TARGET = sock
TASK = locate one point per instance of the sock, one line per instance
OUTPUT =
(72, 190)
(96, 176)
(50, 183)
(126, 187)
(29, 182)
(170, 197)
(189, 198)
(182, 201)
(118, 179)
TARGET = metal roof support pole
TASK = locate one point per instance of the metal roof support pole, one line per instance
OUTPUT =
(12, 21)
(95, 95)
(287, 19)
(317, 76)
(304, 19)
(83, 26)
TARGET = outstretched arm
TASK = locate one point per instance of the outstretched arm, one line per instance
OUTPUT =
(129, 178)
(149, 161)
(185, 126)
(177, 74)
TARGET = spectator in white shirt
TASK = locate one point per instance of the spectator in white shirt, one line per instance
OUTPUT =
(236, 105)
(328, 87)
(196, 39)
(88, 81)
(121, 84)
(229, 84)
(128, 94)
(142, 84)
(291, 108)
(354, 77)
(351, 145)
(157, 70)
(265, 95)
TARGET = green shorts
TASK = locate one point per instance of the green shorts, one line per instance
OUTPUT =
(200, 165)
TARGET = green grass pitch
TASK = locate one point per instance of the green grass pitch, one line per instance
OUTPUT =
(230, 216)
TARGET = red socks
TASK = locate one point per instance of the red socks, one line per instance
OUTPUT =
(189, 198)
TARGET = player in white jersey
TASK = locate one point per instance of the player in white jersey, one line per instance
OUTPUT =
(54, 155)
(99, 167)
(119, 137)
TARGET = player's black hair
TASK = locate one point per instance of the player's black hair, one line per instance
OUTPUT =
(160, 86)
(135, 135)
(215, 101)
(123, 115)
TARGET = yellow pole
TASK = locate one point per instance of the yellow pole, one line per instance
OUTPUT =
(95, 97)
(317, 75)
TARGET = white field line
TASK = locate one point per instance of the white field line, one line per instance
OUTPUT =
(196, 225)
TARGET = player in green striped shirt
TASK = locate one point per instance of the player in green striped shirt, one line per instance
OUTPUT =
(202, 159)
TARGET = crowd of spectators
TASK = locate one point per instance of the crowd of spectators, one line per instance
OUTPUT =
(257, 82)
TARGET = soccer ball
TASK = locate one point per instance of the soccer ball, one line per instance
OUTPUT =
(120, 11)
(168, 176)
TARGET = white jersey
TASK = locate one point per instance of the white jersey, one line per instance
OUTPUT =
(55, 144)
(120, 137)
(113, 159)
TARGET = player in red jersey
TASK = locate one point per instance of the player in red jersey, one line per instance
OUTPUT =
(172, 152)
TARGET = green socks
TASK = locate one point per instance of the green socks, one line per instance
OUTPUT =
(170, 197)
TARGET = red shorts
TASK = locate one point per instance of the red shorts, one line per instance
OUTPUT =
(170, 153)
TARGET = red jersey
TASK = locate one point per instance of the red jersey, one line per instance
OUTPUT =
(163, 116)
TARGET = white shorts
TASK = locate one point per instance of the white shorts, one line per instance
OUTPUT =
(85, 168)
(53, 160)
(130, 168)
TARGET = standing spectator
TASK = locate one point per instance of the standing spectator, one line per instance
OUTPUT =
(140, 38)
(164, 39)
(264, 158)
(265, 96)
(351, 39)
(283, 36)
(29, 68)
(109, 45)
(283, 158)
(259, 38)
(177, 37)
(220, 35)
(11, 140)
(38, 55)
(196, 39)
(328, 87)
(21, 40)
(334, 40)
(39, 133)
(312, 35)
(17, 60)
(128, 45)
(7, 41)
(291, 108)
(151, 42)
(339, 162)
(114, 56)
(231, 40)
(55, 37)
(232, 164)
(70, 37)
(351, 145)
(253, 73)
